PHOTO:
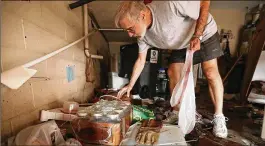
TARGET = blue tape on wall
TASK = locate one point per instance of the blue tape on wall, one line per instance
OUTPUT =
(70, 73)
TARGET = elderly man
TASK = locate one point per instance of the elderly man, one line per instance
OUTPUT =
(176, 25)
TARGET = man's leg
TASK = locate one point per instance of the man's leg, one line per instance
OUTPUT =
(216, 90)
(174, 74)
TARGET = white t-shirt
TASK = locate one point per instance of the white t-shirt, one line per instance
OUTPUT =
(174, 24)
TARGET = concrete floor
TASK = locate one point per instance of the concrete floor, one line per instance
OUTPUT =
(242, 128)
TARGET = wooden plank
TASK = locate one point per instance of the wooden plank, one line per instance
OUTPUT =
(252, 59)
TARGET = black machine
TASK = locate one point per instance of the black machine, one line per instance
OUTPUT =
(146, 85)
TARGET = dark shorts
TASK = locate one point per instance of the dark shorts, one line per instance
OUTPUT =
(210, 49)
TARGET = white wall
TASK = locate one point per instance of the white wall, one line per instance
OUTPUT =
(230, 15)
(30, 29)
(230, 19)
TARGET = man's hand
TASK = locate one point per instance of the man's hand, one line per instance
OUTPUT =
(195, 44)
(127, 89)
(137, 69)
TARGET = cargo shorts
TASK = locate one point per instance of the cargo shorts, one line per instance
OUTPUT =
(210, 49)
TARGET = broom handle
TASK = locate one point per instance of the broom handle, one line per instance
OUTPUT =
(60, 50)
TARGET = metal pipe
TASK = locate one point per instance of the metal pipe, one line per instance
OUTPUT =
(110, 29)
(86, 25)
(94, 21)
(79, 3)
(96, 56)
(92, 56)
(86, 51)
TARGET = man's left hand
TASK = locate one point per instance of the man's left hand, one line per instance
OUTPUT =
(195, 44)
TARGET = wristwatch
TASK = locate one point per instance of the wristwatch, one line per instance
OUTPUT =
(196, 36)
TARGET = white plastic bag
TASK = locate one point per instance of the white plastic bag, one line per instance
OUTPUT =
(71, 142)
(46, 133)
(184, 95)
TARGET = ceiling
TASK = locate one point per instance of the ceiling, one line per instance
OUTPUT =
(104, 12)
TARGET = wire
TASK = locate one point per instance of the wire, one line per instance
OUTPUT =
(110, 96)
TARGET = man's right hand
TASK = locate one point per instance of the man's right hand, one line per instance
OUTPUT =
(127, 89)
(137, 69)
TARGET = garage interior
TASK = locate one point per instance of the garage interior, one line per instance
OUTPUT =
(61, 58)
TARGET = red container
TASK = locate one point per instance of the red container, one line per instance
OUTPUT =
(100, 132)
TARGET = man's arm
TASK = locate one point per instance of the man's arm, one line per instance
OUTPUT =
(195, 43)
(137, 69)
(203, 17)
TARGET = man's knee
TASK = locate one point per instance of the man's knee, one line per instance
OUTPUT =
(170, 73)
(174, 71)
(211, 73)
(210, 69)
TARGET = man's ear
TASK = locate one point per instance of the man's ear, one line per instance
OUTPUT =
(142, 15)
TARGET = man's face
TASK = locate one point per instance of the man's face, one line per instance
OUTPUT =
(135, 29)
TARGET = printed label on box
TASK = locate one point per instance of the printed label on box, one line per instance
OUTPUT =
(153, 56)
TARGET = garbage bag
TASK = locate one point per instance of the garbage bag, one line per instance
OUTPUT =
(184, 94)
(47, 133)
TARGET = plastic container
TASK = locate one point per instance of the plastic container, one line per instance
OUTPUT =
(162, 81)
(70, 107)
(161, 73)
(82, 113)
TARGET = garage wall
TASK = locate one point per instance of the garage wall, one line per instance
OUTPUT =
(230, 19)
(30, 30)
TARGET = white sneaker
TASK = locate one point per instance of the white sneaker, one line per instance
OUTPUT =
(219, 126)
(172, 118)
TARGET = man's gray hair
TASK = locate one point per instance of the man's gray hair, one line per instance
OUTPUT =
(130, 10)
